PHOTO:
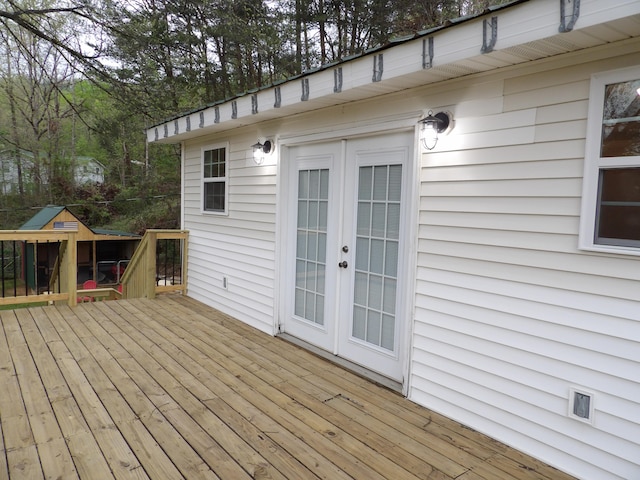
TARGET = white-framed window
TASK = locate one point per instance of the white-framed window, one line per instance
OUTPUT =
(610, 220)
(214, 179)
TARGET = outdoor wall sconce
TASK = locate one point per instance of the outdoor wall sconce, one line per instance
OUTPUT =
(433, 125)
(261, 150)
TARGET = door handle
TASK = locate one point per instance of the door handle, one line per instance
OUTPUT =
(343, 264)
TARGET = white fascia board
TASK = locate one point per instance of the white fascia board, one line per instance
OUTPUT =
(526, 31)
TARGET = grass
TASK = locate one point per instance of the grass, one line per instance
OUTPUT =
(20, 290)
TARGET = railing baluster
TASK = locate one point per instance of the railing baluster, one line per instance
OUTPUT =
(15, 277)
(173, 262)
(57, 256)
(166, 257)
(35, 269)
(2, 278)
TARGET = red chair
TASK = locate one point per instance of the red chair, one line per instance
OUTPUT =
(88, 285)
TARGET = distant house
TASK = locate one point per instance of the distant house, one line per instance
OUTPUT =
(491, 268)
(102, 254)
(87, 170)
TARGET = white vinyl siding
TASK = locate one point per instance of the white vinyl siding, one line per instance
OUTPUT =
(231, 258)
(509, 314)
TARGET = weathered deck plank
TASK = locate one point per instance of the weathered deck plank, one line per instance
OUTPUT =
(169, 388)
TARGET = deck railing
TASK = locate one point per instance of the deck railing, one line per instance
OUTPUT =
(24, 275)
(157, 266)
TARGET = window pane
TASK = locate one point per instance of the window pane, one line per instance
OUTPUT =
(618, 220)
(214, 196)
(621, 120)
(214, 163)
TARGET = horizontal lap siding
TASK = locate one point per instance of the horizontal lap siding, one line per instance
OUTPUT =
(509, 313)
(239, 246)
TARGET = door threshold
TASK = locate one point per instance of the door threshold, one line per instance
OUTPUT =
(344, 363)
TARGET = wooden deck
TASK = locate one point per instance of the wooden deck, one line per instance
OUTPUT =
(169, 389)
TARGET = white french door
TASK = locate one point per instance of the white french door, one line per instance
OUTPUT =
(346, 249)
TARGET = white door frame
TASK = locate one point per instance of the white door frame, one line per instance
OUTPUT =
(283, 214)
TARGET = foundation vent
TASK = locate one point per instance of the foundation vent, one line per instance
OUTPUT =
(581, 405)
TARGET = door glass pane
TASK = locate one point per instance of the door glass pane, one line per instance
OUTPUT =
(380, 183)
(377, 256)
(393, 220)
(391, 259)
(313, 215)
(364, 218)
(388, 326)
(360, 288)
(378, 227)
(322, 248)
(364, 183)
(378, 219)
(359, 322)
(395, 182)
(362, 253)
(313, 199)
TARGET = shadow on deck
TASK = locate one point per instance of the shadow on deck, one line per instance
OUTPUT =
(169, 388)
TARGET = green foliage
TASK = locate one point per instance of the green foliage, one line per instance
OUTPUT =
(145, 213)
(158, 59)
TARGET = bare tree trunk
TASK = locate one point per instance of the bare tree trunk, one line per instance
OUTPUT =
(298, 15)
(14, 127)
(323, 33)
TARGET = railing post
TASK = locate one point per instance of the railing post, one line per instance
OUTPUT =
(71, 259)
(183, 263)
(151, 265)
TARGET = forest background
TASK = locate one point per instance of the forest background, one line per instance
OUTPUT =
(84, 78)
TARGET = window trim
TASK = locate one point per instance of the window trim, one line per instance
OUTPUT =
(594, 162)
(225, 179)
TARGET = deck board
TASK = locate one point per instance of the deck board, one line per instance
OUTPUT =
(170, 388)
